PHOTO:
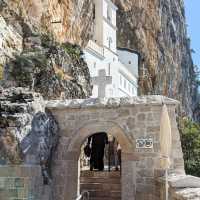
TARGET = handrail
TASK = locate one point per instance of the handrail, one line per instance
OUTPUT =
(82, 196)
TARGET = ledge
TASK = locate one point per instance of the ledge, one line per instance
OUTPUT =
(110, 102)
(183, 187)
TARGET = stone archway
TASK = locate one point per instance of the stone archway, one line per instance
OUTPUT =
(129, 120)
(128, 173)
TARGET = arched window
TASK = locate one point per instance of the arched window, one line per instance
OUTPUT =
(94, 12)
(109, 42)
(109, 14)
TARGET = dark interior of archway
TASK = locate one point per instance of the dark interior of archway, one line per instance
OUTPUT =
(100, 152)
(100, 166)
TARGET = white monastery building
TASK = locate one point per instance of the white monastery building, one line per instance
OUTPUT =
(114, 71)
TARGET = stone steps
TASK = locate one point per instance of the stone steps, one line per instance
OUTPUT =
(101, 185)
(105, 198)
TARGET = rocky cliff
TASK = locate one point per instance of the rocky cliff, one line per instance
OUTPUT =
(67, 20)
(40, 58)
(36, 57)
(157, 30)
(35, 51)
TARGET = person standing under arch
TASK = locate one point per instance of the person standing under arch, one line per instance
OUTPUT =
(97, 142)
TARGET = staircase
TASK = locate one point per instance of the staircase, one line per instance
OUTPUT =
(101, 185)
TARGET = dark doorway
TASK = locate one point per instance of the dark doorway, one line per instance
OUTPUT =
(100, 167)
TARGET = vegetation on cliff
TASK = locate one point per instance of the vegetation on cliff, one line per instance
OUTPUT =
(50, 68)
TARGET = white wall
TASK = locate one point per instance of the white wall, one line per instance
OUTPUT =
(98, 29)
(114, 18)
(105, 8)
(109, 32)
(110, 60)
(130, 59)
(117, 70)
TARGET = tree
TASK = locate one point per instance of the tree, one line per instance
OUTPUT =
(190, 137)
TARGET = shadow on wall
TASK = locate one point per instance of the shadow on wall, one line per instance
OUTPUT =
(38, 145)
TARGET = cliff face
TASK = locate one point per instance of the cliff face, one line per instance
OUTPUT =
(35, 54)
(157, 30)
(33, 51)
(67, 20)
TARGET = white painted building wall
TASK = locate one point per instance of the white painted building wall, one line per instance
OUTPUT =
(102, 53)
(129, 59)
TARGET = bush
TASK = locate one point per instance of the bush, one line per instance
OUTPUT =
(190, 137)
(73, 51)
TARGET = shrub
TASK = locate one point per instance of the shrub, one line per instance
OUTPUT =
(73, 51)
(190, 138)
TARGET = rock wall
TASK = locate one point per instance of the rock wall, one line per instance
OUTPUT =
(33, 56)
(27, 132)
(67, 20)
(28, 138)
(157, 30)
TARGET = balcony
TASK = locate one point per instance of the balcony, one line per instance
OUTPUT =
(95, 48)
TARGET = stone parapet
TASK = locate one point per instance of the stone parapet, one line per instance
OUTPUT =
(181, 187)
(110, 102)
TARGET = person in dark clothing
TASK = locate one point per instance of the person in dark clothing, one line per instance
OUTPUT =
(97, 150)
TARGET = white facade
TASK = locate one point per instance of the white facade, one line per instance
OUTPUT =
(101, 53)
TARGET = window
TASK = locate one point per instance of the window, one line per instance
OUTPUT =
(111, 92)
(133, 90)
(109, 14)
(95, 65)
(109, 69)
(129, 62)
(124, 83)
(94, 11)
(129, 87)
(109, 42)
(121, 80)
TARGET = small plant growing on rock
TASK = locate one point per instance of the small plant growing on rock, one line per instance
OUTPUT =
(73, 50)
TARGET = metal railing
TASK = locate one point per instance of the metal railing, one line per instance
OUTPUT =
(85, 195)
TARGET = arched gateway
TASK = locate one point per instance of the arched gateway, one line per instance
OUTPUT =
(134, 122)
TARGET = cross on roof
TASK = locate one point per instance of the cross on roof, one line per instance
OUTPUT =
(101, 81)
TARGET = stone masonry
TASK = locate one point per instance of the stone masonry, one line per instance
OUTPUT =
(21, 182)
(127, 119)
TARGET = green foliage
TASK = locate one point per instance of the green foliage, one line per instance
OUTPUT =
(1, 72)
(24, 67)
(190, 136)
(72, 50)
(47, 40)
(196, 76)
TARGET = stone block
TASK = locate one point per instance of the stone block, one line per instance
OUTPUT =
(146, 108)
(184, 181)
(131, 123)
(145, 173)
(145, 188)
(123, 112)
(153, 128)
(141, 117)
